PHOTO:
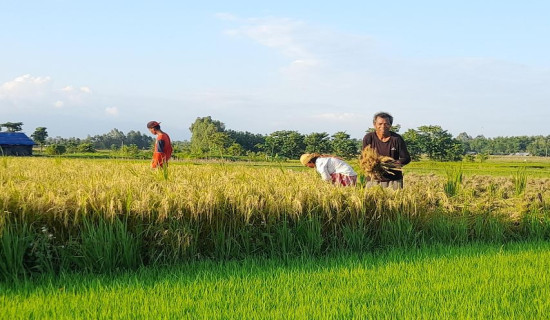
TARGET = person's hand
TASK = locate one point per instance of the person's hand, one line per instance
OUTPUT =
(397, 163)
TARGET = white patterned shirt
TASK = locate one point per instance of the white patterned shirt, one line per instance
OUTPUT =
(329, 165)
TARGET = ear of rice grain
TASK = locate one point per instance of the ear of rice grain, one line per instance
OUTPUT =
(375, 165)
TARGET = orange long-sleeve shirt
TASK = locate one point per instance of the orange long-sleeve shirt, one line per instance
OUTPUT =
(162, 151)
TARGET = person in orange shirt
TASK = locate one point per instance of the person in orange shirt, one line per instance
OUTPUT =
(163, 145)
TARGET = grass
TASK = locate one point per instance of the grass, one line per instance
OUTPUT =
(454, 181)
(520, 180)
(208, 239)
(472, 281)
(496, 166)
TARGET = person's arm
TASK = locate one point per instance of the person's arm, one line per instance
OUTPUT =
(367, 141)
(322, 168)
(404, 156)
(160, 145)
(159, 155)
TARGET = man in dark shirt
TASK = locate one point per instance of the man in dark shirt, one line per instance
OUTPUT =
(390, 144)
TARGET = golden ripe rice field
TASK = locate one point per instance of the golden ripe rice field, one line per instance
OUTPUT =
(72, 213)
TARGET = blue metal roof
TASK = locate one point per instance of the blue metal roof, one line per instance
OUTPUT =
(15, 139)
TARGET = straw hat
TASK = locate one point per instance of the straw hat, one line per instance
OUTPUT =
(306, 157)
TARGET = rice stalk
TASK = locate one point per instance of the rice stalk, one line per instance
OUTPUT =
(454, 181)
(232, 211)
(520, 181)
(376, 166)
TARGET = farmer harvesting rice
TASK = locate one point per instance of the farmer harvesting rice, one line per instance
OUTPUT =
(384, 153)
(331, 168)
(163, 146)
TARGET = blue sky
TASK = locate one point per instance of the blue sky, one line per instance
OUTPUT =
(79, 68)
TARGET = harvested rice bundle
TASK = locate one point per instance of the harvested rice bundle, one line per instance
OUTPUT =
(375, 165)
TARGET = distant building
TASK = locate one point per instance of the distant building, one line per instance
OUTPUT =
(15, 144)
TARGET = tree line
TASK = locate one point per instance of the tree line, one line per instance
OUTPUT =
(114, 140)
(533, 145)
(210, 138)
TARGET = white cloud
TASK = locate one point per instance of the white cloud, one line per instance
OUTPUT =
(352, 74)
(318, 59)
(25, 86)
(85, 90)
(24, 79)
(303, 42)
(278, 33)
(112, 111)
(32, 93)
(320, 80)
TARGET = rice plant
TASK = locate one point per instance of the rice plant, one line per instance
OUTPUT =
(454, 181)
(15, 238)
(110, 214)
(438, 282)
(520, 180)
(374, 165)
(108, 246)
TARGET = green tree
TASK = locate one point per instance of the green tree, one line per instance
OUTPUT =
(55, 149)
(235, 149)
(414, 145)
(183, 147)
(317, 142)
(130, 151)
(465, 139)
(86, 147)
(141, 140)
(503, 145)
(539, 146)
(12, 126)
(480, 144)
(289, 144)
(71, 146)
(343, 145)
(105, 141)
(39, 136)
(248, 141)
(469, 157)
(438, 144)
(208, 136)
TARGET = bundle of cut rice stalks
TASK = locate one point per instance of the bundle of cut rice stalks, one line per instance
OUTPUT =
(375, 165)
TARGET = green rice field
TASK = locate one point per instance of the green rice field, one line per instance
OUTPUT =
(111, 238)
(438, 282)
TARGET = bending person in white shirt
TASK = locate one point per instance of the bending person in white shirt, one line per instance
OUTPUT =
(331, 168)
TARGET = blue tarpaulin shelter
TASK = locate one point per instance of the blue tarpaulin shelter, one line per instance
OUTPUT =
(15, 144)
